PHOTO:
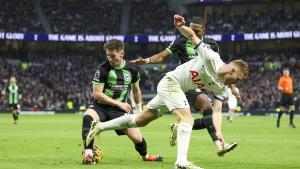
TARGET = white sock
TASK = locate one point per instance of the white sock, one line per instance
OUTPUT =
(126, 121)
(230, 113)
(184, 132)
(218, 144)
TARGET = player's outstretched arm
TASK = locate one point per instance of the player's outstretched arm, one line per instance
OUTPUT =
(157, 58)
(179, 22)
(217, 118)
(137, 96)
(235, 93)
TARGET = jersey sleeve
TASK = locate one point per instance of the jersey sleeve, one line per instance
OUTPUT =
(100, 76)
(135, 76)
(174, 46)
(206, 52)
(281, 82)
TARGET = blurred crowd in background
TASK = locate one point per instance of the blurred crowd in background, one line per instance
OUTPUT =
(105, 17)
(49, 80)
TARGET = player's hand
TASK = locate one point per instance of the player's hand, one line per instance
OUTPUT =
(3, 92)
(125, 106)
(139, 61)
(178, 20)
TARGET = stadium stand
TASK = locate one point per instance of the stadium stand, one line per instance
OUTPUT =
(51, 78)
(19, 16)
(93, 17)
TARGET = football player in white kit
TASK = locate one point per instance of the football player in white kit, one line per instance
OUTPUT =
(232, 102)
(206, 71)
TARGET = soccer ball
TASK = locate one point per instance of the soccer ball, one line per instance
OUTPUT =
(97, 154)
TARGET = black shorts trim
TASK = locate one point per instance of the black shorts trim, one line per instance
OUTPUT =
(107, 113)
(192, 96)
(287, 100)
(14, 106)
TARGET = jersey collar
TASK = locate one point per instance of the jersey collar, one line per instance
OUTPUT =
(121, 66)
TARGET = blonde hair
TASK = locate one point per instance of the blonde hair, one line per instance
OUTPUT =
(243, 67)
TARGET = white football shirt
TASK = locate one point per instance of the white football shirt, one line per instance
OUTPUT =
(201, 72)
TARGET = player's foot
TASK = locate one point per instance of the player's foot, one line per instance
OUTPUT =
(97, 154)
(277, 125)
(190, 165)
(173, 136)
(292, 125)
(94, 130)
(153, 158)
(229, 119)
(15, 122)
(227, 148)
(87, 156)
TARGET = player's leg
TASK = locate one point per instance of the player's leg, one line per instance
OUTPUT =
(17, 112)
(184, 131)
(140, 144)
(292, 112)
(170, 92)
(125, 121)
(89, 116)
(230, 115)
(14, 113)
(282, 109)
(202, 102)
(232, 105)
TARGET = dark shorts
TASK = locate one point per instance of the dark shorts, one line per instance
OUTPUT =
(14, 106)
(287, 100)
(107, 113)
(192, 96)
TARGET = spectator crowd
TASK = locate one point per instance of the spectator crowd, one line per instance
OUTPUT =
(50, 79)
(145, 17)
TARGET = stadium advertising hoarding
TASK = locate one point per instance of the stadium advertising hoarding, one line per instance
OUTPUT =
(143, 38)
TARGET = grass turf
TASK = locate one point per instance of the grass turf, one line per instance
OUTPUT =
(54, 141)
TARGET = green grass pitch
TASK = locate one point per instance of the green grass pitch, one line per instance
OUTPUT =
(54, 141)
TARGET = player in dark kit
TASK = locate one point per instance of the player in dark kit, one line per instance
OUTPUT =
(13, 92)
(112, 82)
(185, 51)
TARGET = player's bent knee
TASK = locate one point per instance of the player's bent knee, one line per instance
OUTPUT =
(202, 102)
(145, 117)
(184, 115)
(91, 113)
(134, 134)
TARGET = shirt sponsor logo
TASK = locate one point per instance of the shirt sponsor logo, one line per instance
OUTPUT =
(196, 79)
(118, 87)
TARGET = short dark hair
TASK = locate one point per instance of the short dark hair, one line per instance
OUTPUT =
(113, 44)
(198, 20)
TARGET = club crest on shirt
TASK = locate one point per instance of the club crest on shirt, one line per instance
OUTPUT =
(127, 76)
(97, 75)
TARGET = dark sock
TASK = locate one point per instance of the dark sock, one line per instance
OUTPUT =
(208, 122)
(86, 125)
(15, 117)
(292, 117)
(198, 124)
(279, 116)
(141, 147)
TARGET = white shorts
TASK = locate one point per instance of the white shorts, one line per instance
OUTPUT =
(232, 104)
(169, 96)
